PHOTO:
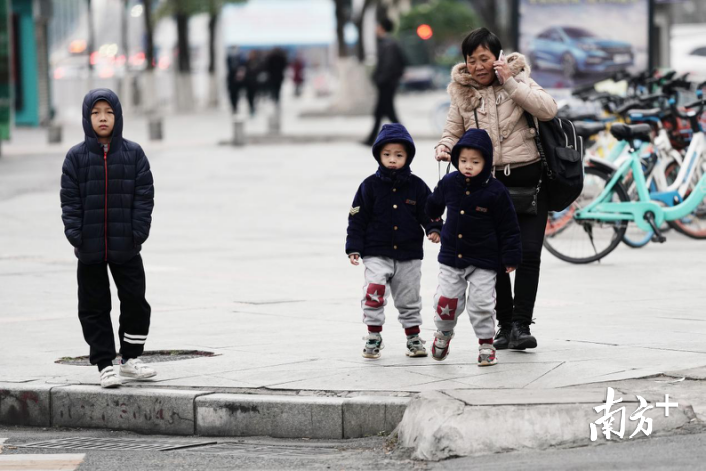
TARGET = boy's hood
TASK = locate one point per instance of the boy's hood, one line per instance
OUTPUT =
(90, 135)
(480, 140)
(394, 132)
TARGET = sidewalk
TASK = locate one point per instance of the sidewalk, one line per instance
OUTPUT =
(246, 260)
(214, 126)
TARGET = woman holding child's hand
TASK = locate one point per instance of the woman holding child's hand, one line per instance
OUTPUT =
(492, 91)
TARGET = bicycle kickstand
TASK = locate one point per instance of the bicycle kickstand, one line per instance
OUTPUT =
(657, 237)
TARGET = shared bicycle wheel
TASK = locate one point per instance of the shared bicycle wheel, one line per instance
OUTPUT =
(694, 224)
(585, 241)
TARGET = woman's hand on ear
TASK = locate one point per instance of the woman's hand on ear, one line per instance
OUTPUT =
(502, 69)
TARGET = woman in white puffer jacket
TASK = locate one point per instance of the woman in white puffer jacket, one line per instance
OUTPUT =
(494, 95)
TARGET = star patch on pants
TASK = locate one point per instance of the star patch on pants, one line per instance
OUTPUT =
(446, 309)
(375, 295)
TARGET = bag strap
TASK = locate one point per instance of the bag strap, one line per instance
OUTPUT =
(540, 147)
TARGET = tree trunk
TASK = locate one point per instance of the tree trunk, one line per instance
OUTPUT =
(212, 76)
(340, 24)
(488, 11)
(359, 24)
(126, 79)
(91, 42)
(184, 56)
(149, 36)
(184, 88)
(148, 93)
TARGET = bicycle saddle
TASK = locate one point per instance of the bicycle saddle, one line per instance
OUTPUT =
(587, 130)
(642, 114)
(628, 132)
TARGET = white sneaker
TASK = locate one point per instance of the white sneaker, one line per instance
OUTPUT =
(109, 379)
(134, 368)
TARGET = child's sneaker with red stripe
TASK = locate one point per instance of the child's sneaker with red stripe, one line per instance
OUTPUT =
(440, 348)
(486, 355)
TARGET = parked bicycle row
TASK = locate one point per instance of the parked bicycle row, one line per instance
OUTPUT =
(644, 167)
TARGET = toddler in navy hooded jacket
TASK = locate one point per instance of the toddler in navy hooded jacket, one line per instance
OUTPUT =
(481, 236)
(107, 197)
(385, 229)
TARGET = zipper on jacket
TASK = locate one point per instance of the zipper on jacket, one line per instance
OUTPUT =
(105, 227)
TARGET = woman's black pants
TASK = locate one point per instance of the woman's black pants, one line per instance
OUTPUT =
(520, 307)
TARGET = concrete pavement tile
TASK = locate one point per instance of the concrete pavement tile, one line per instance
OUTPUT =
(362, 379)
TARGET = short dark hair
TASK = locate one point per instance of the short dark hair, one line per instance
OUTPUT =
(480, 37)
(386, 24)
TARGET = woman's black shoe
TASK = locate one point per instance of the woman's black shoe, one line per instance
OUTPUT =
(502, 338)
(521, 338)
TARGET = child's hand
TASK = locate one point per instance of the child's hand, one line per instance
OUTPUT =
(510, 269)
(434, 237)
(354, 259)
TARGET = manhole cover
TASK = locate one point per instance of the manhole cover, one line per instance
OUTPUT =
(270, 450)
(155, 356)
(90, 443)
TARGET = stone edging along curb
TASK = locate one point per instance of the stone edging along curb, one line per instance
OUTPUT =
(187, 412)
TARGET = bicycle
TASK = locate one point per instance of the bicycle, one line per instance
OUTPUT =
(612, 210)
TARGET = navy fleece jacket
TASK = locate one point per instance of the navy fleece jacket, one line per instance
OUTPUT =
(387, 215)
(481, 227)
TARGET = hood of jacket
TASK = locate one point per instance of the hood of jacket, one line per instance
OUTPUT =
(394, 133)
(480, 140)
(91, 138)
(464, 88)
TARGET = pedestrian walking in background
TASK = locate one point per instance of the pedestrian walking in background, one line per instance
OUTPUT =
(253, 72)
(107, 197)
(387, 75)
(493, 94)
(480, 238)
(386, 227)
(276, 65)
(298, 74)
(236, 67)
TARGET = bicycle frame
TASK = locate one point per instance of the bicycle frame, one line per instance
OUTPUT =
(601, 209)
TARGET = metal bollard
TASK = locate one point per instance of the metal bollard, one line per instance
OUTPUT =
(274, 123)
(55, 133)
(155, 129)
(238, 131)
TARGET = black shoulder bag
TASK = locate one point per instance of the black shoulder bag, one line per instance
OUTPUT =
(561, 152)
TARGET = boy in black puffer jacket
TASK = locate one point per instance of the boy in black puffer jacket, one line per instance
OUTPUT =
(385, 229)
(480, 237)
(107, 196)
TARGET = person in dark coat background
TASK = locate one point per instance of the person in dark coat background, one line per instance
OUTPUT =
(481, 236)
(107, 197)
(253, 69)
(388, 72)
(275, 66)
(386, 228)
(235, 78)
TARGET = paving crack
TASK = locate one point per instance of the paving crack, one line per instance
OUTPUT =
(545, 374)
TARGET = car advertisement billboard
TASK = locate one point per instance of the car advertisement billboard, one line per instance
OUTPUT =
(570, 43)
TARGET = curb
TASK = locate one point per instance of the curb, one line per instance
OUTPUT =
(189, 412)
(439, 425)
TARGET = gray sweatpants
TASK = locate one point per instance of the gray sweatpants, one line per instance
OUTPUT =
(403, 279)
(450, 299)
